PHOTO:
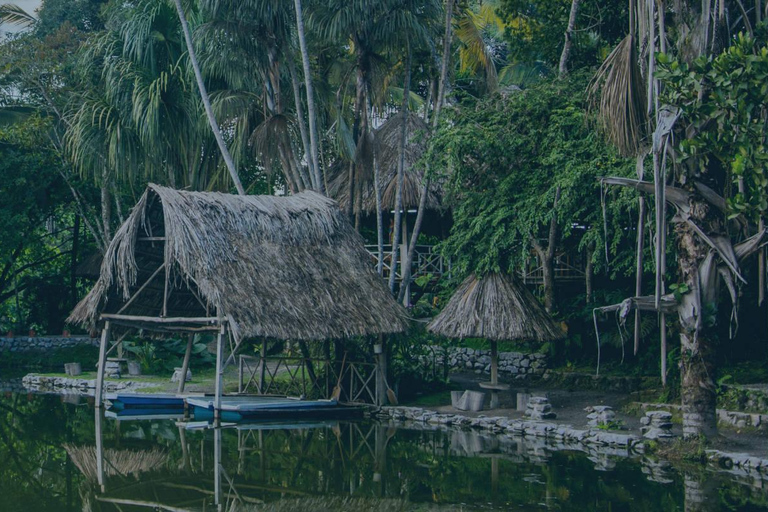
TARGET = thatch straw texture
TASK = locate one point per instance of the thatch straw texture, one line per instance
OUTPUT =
(279, 267)
(116, 462)
(387, 139)
(331, 504)
(496, 307)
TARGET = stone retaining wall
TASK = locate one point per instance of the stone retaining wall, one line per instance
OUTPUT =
(512, 365)
(44, 383)
(44, 343)
(601, 446)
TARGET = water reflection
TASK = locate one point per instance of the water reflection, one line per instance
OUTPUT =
(75, 459)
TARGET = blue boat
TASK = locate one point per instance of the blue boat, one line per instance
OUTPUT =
(236, 408)
(122, 401)
(145, 414)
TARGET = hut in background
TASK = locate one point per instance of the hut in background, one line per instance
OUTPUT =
(256, 266)
(499, 308)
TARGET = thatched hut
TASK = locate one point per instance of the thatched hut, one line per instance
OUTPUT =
(496, 307)
(259, 266)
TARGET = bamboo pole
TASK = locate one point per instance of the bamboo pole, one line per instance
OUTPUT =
(494, 373)
(101, 363)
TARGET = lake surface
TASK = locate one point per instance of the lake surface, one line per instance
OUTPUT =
(50, 447)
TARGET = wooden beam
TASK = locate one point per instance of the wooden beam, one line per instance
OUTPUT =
(151, 239)
(185, 364)
(146, 283)
(210, 320)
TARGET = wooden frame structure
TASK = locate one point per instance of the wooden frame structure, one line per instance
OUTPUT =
(237, 267)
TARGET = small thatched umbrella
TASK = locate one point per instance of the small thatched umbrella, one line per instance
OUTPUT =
(496, 307)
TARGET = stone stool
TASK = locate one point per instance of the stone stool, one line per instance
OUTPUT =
(600, 415)
(657, 425)
(539, 408)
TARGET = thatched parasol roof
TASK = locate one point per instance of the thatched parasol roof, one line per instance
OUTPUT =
(387, 138)
(496, 307)
(280, 267)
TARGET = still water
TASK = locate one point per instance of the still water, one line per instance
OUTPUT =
(61, 455)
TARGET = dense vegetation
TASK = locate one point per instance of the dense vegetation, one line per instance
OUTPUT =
(525, 105)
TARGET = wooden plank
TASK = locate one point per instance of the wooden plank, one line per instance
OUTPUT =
(211, 320)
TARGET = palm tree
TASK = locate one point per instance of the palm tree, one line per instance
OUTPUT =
(631, 116)
(207, 101)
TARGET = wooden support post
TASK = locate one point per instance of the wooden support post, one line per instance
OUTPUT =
(381, 387)
(102, 362)
(185, 364)
(217, 467)
(262, 365)
(240, 374)
(663, 333)
(99, 450)
(219, 372)
(494, 374)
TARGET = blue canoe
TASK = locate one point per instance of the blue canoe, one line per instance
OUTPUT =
(122, 401)
(236, 408)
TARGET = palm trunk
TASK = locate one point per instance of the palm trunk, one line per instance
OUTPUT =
(315, 165)
(589, 273)
(697, 338)
(435, 119)
(106, 207)
(563, 70)
(400, 173)
(230, 163)
(379, 212)
(300, 121)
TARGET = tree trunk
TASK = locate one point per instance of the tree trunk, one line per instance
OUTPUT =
(548, 261)
(300, 113)
(106, 208)
(379, 213)
(315, 164)
(697, 339)
(73, 261)
(435, 119)
(207, 101)
(589, 273)
(400, 172)
(563, 70)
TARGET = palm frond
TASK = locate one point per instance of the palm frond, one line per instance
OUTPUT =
(618, 93)
(15, 15)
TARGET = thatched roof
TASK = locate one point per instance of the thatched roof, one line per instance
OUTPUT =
(281, 267)
(387, 138)
(496, 307)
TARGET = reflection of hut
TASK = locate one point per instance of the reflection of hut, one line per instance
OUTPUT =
(496, 307)
(258, 266)
(121, 462)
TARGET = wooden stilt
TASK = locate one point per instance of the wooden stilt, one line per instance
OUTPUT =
(217, 467)
(185, 364)
(262, 365)
(102, 362)
(494, 374)
(219, 371)
(663, 333)
(99, 450)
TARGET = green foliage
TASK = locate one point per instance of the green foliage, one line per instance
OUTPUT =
(724, 99)
(536, 30)
(507, 159)
(163, 356)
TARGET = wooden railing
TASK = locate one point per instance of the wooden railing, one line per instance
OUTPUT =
(292, 376)
(426, 262)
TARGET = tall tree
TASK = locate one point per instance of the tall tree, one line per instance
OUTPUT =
(207, 101)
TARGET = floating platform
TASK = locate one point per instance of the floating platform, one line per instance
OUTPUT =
(240, 408)
(122, 401)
